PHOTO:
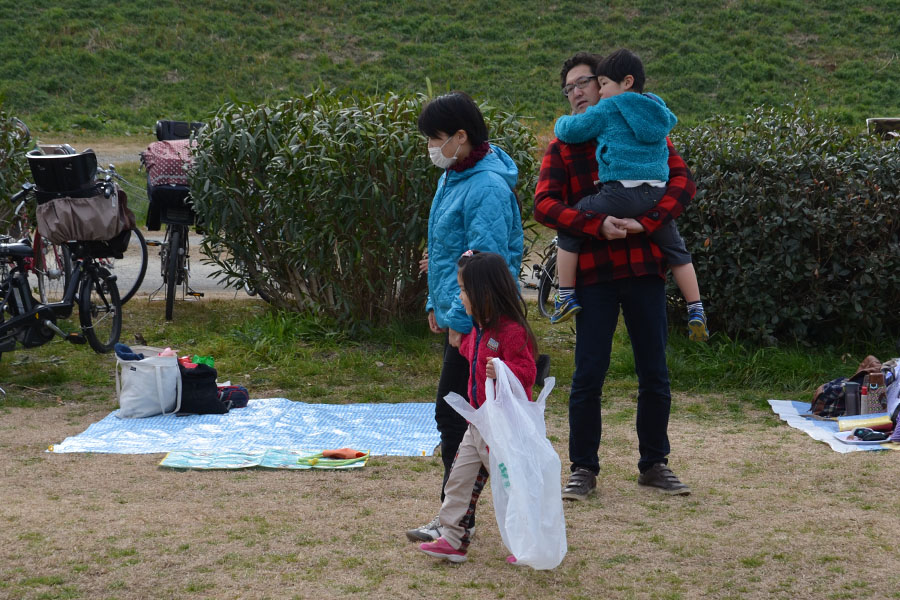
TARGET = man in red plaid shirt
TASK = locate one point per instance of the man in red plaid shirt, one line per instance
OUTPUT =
(618, 267)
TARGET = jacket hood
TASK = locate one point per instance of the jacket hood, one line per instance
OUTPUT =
(646, 114)
(497, 161)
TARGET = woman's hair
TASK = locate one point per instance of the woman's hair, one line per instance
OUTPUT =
(450, 113)
(492, 292)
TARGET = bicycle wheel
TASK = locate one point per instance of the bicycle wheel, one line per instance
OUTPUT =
(172, 262)
(100, 310)
(547, 287)
(129, 278)
(53, 267)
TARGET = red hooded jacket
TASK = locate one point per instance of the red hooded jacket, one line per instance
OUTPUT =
(509, 342)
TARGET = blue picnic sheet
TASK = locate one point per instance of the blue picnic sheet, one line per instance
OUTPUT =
(796, 414)
(403, 429)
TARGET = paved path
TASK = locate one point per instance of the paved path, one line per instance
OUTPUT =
(201, 279)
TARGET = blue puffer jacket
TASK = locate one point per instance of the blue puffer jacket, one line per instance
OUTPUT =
(630, 130)
(472, 210)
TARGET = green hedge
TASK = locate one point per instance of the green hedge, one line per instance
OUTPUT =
(322, 201)
(794, 229)
(13, 166)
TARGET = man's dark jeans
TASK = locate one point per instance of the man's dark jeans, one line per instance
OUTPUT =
(643, 303)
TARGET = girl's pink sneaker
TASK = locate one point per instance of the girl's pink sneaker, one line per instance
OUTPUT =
(441, 548)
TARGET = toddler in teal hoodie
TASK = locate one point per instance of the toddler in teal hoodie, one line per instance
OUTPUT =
(630, 129)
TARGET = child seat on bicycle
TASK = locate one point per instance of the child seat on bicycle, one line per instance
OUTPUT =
(59, 175)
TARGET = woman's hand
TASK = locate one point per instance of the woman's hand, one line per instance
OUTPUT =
(432, 323)
(490, 371)
(633, 226)
(455, 338)
(423, 264)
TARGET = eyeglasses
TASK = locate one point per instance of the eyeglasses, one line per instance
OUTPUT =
(580, 83)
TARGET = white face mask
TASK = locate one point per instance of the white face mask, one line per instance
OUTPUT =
(438, 158)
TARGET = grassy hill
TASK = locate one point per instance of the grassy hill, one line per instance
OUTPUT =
(115, 67)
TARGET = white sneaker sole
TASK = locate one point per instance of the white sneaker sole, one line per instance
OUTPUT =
(418, 535)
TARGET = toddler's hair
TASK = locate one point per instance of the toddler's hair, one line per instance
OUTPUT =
(492, 292)
(621, 63)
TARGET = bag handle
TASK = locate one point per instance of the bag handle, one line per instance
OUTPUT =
(118, 378)
(461, 405)
(159, 390)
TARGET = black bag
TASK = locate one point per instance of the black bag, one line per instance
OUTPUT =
(236, 394)
(199, 394)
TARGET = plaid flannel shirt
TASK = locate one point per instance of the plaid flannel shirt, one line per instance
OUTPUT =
(568, 173)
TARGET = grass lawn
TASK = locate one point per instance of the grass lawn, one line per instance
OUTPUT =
(773, 514)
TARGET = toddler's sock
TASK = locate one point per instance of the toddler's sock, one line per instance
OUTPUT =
(566, 292)
(693, 307)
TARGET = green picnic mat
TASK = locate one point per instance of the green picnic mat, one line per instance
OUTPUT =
(270, 459)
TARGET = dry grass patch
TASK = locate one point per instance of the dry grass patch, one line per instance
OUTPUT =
(773, 515)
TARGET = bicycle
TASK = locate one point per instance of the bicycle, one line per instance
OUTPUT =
(130, 283)
(52, 263)
(33, 323)
(89, 285)
(170, 206)
(548, 281)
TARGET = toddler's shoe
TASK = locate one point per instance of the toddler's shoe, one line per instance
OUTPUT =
(697, 327)
(441, 548)
(565, 309)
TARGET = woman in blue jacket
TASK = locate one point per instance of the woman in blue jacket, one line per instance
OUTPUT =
(474, 208)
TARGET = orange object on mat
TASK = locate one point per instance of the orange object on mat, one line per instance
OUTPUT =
(342, 453)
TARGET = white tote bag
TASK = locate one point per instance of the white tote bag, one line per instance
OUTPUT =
(525, 469)
(148, 387)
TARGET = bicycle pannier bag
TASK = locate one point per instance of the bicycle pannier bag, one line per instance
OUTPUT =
(97, 218)
(167, 162)
(148, 387)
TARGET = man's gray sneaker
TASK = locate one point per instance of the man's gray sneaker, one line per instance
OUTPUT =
(582, 483)
(661, 478)
(426, 533)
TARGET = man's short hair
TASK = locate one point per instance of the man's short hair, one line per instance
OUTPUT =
(579, 58)
(620, 64)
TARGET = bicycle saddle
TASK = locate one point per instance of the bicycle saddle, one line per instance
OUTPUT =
(20, 248)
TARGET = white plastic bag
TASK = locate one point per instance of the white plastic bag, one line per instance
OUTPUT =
(148, 387)
(525, 469)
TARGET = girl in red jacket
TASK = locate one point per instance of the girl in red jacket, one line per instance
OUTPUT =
(490, 296)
